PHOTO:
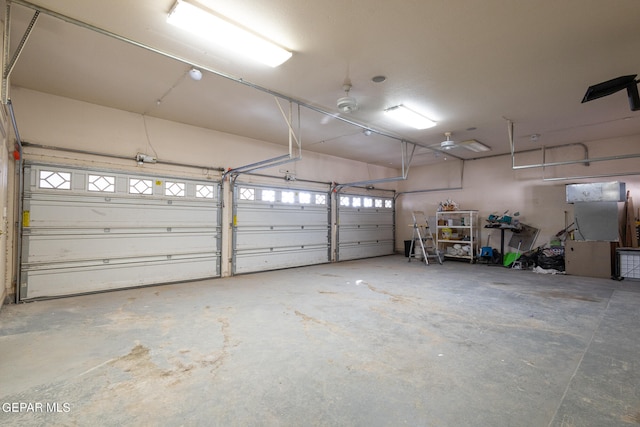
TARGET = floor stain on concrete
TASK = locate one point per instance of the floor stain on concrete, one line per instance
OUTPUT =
(216, 359)
(134, 386)
(308, 320)
(566, 295)
(394, 297)
(139, 364)
(327, 292)
(631, 419)
(137, 352)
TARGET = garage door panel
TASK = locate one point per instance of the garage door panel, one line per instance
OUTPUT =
(280, 237)
(279, 228)
(365, 226)
(95, 230)
(51, 248)
(77, 279)
(92, 212)
(351, 251)
(362, 217)
(250, 261)
(364, 234)
(280, 216)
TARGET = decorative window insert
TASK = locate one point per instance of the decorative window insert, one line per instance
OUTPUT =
(247, 193)
(288, 197)
(204, 191)
(368, 202)
(268, 196)
(102, 183)
(321, 199)
(344, 200)
(175, 189)
(55, 180)
(304, 198)
(388, 204)
(378, 203)
(140, 186)
(356, 202)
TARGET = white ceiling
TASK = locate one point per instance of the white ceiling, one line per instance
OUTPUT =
(467, 64)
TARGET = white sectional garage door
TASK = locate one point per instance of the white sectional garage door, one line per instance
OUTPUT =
(365, 226)
(279, 228)
(95, 230)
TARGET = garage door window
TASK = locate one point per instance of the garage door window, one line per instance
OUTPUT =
(247, 193)
(55, 180)
(102, 183)
(268, 196)
(175, 189)
(140, 186)
(305, 198)
(204, 191)
(288, 197)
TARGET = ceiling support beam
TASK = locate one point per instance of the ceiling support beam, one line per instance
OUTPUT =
(295, 150)
(292, 133)
(406, 162)
(201, 67)
(586, 161)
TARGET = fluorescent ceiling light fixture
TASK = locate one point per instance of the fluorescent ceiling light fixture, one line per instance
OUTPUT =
(476, 146)
(409, 117)
(217, 30)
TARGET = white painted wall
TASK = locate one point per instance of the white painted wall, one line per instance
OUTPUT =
(61, 122)
(492, 186)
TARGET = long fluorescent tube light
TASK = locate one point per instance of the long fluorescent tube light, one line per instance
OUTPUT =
(198, 21)
(474, 145)
(409, 117)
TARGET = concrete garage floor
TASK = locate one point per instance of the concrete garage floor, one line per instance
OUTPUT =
(378, 342)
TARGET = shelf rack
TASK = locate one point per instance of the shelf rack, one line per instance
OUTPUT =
(458, 234)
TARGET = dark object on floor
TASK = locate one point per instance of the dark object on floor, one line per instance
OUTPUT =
(544, 258)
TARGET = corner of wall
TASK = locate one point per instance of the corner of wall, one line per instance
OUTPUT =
(4, 298)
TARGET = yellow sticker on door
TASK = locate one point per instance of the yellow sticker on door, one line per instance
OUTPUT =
(26, 218)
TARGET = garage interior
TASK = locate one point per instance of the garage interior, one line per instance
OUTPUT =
(194, 237)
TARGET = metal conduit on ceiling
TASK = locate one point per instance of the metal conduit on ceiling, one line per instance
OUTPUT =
(40, 9)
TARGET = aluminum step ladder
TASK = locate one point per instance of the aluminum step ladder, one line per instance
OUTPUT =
(424, 238)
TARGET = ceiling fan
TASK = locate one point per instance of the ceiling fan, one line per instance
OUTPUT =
(447, 144)
(347, 104)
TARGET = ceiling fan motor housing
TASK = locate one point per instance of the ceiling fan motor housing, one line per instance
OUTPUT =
(347, 104)
(447, 145)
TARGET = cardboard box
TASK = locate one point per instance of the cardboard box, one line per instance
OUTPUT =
(591, 259)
